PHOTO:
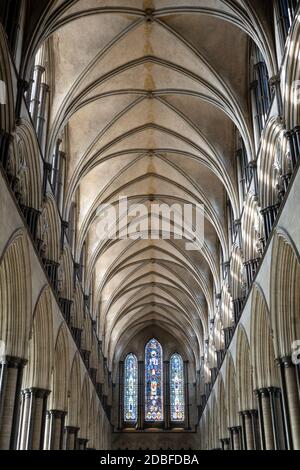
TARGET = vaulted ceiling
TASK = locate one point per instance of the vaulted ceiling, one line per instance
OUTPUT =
(152, 92)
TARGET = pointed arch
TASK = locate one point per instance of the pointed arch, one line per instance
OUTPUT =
(131, 381)
(49, 229)
(61, 371)
(177, 398)
(154, 401)
(27, 151)
(285, 293)
(7, 114)
(74, 393)
(244, 372)
(41, 345)
(15, 296)
(262, 347)
(231, 393)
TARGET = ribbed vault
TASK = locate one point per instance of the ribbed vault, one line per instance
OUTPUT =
(149, 95)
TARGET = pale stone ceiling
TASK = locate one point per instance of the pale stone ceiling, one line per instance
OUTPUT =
(152, 99)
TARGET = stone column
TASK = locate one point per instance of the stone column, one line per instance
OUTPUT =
(225, 443)
(81, 444)
(270, 417)
(291, 402)
(248, 431)
(35, 101)
(56, 427)
(32, 427)
(70, 437)
(267, 419)
(47, 432)
(42, 112)
(167, 403)
(11, 372)
(277, 417)
(236, 437)
(255, 428)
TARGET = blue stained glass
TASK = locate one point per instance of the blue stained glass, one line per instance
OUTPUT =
(153, 381)
(131, 389)
(177, 388)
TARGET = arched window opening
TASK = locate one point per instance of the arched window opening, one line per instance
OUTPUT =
(177, 399)
(131, 389)
(71, 234)
(243, 170)
(82, 263)
(153, 382)
(37, 95)
(285, 14)
(260, 89)
(58, 173)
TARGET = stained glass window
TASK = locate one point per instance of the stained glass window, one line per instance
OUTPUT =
(177, 388)
(153, 381)
(131, 389)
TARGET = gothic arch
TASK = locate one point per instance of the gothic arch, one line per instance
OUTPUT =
(61, 371)
(231, 392)
(285, 294)
(48, 229)
(15, 296)
(74, 393)
(291, 79)
(244, 372)
(7, 114)
(26, 151)
(261, 343)
(272, 162)
(41, 345)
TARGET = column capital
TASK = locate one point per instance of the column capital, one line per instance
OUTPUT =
(13, 362)
(274, 391)
(286, 362)
(57, 413)
(262, 392)
(72, 429)
(36, 392)
(246, 413)
(39, 68)
(225, 440)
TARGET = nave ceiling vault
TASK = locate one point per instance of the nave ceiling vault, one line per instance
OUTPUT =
(149, 94)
